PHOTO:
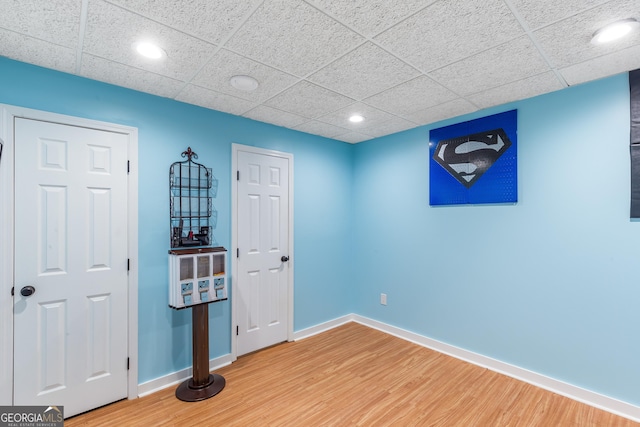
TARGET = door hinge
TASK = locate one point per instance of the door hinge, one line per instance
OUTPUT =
(237, 252)
(127, 363)
(237, 175)
(237, 330)
(12, 290)
(128, 264)
(128, 166)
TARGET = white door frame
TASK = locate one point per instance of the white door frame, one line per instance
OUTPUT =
(7, 115)
(235, 148)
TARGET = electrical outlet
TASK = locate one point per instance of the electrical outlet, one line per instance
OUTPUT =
(383, 299)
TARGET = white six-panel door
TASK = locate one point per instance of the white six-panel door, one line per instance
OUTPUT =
(71, 246)
(262, 239)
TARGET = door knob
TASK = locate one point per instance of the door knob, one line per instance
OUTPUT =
(284, 258)
(27, 291)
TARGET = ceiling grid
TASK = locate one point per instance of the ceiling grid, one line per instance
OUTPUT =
(398, 64)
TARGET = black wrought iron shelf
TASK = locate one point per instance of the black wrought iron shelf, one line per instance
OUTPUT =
(191, 189)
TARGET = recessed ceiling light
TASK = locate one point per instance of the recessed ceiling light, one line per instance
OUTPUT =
(614, 31)
(245, 83)
(149, 50)
(356, 118)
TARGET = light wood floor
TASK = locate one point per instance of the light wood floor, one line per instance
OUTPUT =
(356, 376)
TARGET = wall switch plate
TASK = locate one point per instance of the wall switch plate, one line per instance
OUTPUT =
(383, 299)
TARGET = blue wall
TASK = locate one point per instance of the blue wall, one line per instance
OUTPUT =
(549, 284)
(322, 193)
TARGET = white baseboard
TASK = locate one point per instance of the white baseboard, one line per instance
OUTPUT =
(175, 378)
(322, 327)
(588, 397)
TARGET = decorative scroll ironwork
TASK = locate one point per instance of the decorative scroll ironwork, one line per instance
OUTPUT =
(191, 188)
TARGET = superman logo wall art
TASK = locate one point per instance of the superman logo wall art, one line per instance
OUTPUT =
(474, 162)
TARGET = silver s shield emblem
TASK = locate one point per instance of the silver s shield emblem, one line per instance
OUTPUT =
(468, 157)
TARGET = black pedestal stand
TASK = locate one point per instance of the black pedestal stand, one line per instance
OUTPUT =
(203, 385)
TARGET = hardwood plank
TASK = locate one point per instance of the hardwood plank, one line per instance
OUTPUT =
(356, 376)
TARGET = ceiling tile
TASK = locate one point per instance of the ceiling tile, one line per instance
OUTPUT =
(308, 100)
(274, 116)
(53, 21)
(514, 60)
(214, 100)
(37, 52)
(353, 137)
(569, 41)
(111, 32)
(450, 109)
(363, 72)
(603, 66)
(292, 36)
(129, 77)
(225, 64)
(396, 124)
(370, 17)
(323, 129)
(521, 89)
(448, 31)
(540, 13)
(414, 95)
(400, 64)
(341, 117)
(209, 20)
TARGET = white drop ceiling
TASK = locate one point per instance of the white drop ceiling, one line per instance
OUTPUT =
(400, 64)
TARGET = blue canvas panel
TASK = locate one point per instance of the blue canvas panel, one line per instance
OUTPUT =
(474, 162)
